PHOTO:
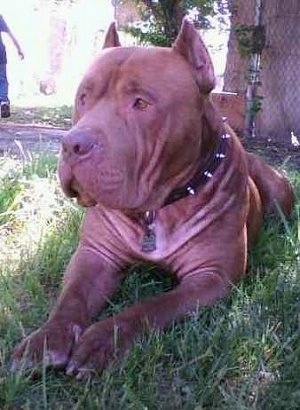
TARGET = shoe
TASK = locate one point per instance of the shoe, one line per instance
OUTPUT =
(5, 109)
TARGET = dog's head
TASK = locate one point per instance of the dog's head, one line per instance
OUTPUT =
(138, 123)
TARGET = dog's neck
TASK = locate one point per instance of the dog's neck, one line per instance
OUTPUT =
(214, 153)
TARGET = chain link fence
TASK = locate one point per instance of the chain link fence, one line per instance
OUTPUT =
(273, 94)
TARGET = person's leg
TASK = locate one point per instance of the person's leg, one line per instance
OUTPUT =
(3, 84)
(4, 100)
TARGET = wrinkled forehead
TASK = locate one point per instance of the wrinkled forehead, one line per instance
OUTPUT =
(141, 66)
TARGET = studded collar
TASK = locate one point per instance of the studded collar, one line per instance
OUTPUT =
(202, 175)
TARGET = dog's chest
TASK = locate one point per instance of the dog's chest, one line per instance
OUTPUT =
(128, 239)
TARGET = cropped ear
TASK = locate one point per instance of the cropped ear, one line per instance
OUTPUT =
(190, 45)
(111, 37)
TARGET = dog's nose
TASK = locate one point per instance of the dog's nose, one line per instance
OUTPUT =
(77, 143)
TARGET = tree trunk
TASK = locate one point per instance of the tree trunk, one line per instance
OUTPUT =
(170, 13)
(56, 47)
(173, 17)
(235, 76)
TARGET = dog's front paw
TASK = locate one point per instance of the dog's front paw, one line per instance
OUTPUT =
(99, 345)
(50, 345)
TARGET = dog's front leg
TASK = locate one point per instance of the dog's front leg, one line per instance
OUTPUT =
(88, 285)
(111, 338)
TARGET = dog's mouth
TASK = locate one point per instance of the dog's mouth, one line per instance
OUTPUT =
(83, 198)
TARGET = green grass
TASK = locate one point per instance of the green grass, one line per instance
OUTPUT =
(243, 353)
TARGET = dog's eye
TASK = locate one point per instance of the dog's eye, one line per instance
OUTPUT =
(82, 98)
(140, 104)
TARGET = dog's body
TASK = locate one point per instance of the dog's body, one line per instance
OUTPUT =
(164, 180)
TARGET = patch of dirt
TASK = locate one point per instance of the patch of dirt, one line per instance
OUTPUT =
(22, 139)
(275, 152)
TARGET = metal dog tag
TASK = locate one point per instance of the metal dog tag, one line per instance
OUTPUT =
(149, 241)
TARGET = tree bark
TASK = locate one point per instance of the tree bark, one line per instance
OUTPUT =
(170, 13)
(56, 47)
(235, 76)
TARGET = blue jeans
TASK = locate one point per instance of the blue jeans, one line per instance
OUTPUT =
(3, 84)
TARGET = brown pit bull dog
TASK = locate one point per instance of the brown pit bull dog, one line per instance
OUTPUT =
(164, 180)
